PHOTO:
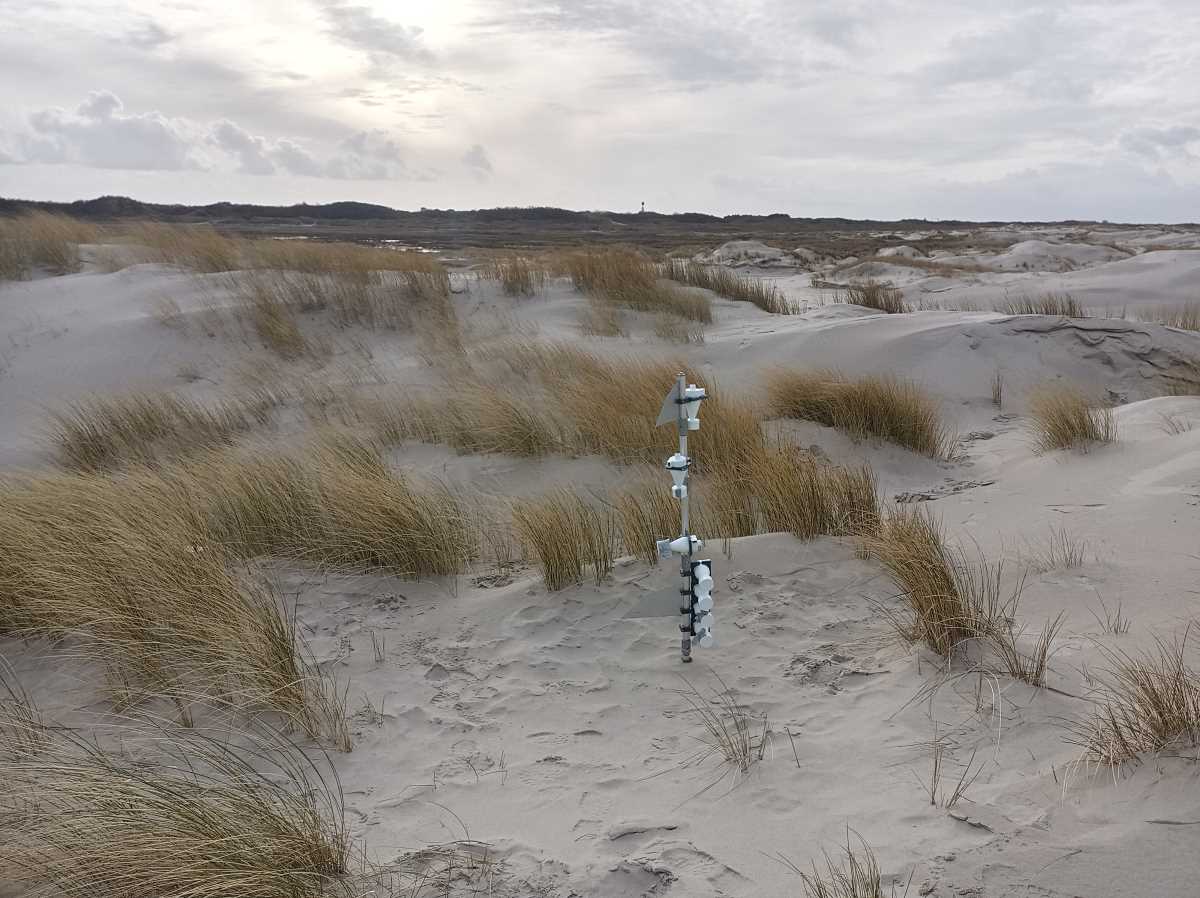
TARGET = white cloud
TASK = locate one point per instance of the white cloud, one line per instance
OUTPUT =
(100, 134)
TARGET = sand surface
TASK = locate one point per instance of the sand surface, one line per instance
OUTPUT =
(551, 724)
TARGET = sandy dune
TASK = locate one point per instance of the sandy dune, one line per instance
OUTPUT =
(552, 726)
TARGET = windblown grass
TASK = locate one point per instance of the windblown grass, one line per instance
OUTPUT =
(569, 536)
(951, 602)
(185, 815)
(42, 240)
(1062, 304)
(729, 284)
(783, 490)
(1062, 417)
(406, 301)
(885, 407)
(199, 247)
(143, 591)
(102, 433)
(1146, 703)
(630, 280)
(517, 275)
(878, 295)
(573, 401)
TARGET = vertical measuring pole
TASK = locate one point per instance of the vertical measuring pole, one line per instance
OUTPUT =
(685, 563)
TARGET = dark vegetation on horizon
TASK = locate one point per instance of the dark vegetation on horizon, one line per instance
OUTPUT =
(510, 226)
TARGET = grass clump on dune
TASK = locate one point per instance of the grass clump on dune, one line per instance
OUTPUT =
(184, 815)
(200, 247)
(782, 490)
(1063, 417)
(569, 536)
(42, 240)
(629, 280)
(102, 433)
(1061, 304)
(884, 407)
(129, 576)
(1185, 316)
(729, 284)
(1146, 703)
(951, 602)
(878, 295)
(577, 402)
(517, 275)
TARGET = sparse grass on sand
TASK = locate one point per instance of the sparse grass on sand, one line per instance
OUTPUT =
(1185, 316)
(1062, 304)
(878, 295)
(884, 407)
(629, 280)
(200, 248)
(569, 536)
(1146, 703)
(516, 274)
(855, 875)
(42, 240)
(101, 433)
(950, 601)
(730, 732)
(729, 284)
(1062, 417)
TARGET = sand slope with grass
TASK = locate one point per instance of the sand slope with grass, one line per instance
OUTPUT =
(243, 499)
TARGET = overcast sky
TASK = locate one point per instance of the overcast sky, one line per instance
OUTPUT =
(887, 108)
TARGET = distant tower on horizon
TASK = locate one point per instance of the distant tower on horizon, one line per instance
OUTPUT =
(643, 206)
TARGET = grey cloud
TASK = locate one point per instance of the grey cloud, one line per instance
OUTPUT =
(477, 159)
(149, 35)
(1160, 142)
(251, 151)
(100, 134)
(385, 42)
(295, 159)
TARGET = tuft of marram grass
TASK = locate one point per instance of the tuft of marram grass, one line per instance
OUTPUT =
(628, 279)
(885, 407)
(1061, 304)
(198, 247)
(41, 240)
(185, 815)
(729, 284)
(1062, 417)
(952, 602)
(878, 295)
(580, 403)
(516, 274)
(1146, 703)
(145, 592)
(1185, 316)
(569, 536)
(102, 433)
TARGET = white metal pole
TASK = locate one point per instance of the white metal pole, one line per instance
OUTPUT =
(685, 567)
